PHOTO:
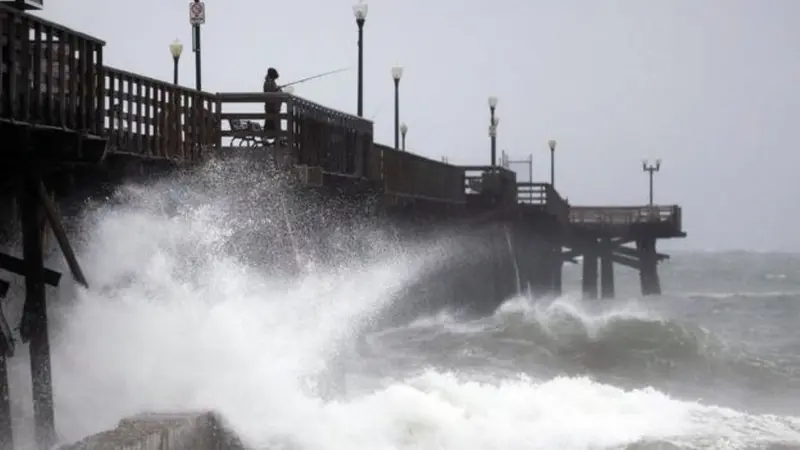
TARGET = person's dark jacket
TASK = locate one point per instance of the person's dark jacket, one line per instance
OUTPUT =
(271, 86)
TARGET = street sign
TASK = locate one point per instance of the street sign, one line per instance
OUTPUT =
(197, 13)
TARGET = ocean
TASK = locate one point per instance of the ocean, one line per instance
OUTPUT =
(176, 319)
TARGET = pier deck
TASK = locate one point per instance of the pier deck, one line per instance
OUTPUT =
(65, 114)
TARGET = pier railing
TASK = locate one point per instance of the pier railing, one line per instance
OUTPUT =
(495, 184)
(545, 196)
(307, 133)
(611, 218)
(49, 74)
(152, 118)
(405, 174)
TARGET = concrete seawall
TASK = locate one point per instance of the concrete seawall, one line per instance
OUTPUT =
(159, 431)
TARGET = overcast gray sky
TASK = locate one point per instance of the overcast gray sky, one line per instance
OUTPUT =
(709, 86)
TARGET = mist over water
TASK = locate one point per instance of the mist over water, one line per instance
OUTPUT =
(192, 306)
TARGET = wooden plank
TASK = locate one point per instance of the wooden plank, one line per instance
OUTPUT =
(54, 220)
(17, 266)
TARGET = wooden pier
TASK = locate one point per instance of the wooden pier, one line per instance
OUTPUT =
(67, 120)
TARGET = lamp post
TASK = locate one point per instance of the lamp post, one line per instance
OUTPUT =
(360, 11)
(552, 144)
(176, 48)
(403, 131)
(397, 73)
(651, 169)
(493, 128)
(493, 138)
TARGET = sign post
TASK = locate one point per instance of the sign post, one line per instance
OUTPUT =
(197, 17)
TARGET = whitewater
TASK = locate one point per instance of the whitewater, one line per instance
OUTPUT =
(189, 309)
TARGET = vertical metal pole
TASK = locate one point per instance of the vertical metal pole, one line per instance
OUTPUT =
(198, 65)
(493, 137)
(197, 59)
(175, 69)
(396, 113)
(553, 167)
(360, 23)
(650, 172)
(403, 141)
(34, 317)
(530, 168)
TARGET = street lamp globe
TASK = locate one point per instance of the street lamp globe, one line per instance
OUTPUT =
(492, 102)
(397, 73)
(176, 48)
(404, 128)
(289, 90)
(360, 11)
(552, 144)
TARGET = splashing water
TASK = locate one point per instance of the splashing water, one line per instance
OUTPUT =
(175, 320)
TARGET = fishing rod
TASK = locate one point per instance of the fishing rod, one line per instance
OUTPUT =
(314, 77)
(377, 111)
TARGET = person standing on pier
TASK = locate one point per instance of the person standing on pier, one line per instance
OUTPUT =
(271, 85)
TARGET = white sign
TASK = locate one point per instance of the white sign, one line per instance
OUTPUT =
(197, 13)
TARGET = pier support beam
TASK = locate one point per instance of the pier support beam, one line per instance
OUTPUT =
(504, 265)
(606, 270)
(589, 264)
(33, 328)
(648, 269)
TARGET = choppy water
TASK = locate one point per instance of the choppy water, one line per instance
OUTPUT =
(177, 319)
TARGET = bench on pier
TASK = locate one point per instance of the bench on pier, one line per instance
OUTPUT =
(308, 134)
(246, 131)
(250, 134)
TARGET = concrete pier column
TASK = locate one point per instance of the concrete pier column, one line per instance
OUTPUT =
(503, 261)
(556, 286)
(542, 284)
(648, 271)
(589, 281)
(606, 271)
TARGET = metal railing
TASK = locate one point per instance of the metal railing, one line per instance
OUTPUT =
(316, 136)
(406, 174)
(625, 215)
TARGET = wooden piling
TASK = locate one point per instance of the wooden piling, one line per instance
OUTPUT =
(606, 269)
(648, 269)
(34, 327)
